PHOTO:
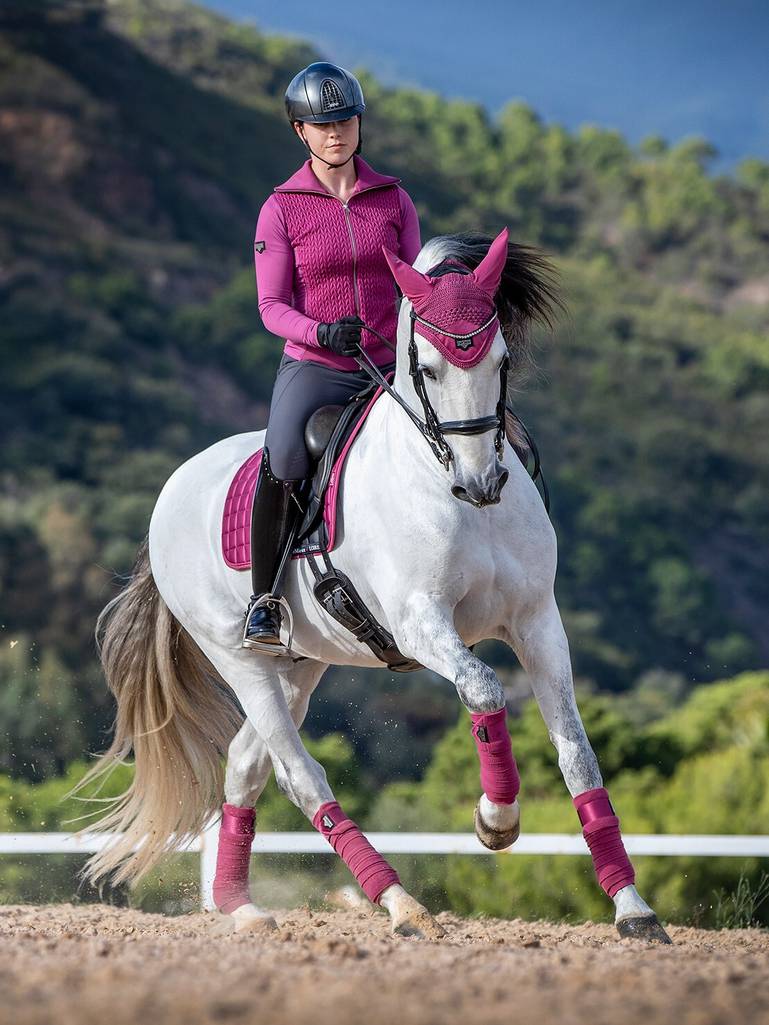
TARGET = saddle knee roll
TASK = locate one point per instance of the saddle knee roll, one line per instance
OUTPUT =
(319, 429)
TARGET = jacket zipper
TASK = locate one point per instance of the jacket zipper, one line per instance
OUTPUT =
(354, 259)
(345, 207)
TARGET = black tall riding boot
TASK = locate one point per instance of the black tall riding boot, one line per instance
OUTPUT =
(274, 516)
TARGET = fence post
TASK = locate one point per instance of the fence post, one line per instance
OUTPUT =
(209, 844)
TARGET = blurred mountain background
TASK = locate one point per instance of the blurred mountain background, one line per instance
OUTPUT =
(643, 68)
(138, 140)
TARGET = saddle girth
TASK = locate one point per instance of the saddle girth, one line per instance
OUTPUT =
(336, 593)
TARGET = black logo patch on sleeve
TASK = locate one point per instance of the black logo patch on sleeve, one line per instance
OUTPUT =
(260, 246)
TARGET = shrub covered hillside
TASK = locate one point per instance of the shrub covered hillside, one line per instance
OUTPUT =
(138, 140)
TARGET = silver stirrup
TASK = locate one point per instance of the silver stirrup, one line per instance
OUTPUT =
(270, 649)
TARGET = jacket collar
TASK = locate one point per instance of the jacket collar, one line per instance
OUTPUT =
(305, 179)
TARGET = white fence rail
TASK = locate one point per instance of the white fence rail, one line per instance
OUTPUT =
(400, 843)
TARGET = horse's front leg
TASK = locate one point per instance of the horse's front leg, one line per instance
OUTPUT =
(543, 650)
(426, 631)
(257, 684)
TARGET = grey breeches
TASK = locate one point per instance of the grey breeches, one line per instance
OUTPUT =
(300, 388)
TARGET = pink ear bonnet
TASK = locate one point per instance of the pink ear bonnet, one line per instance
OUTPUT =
(449, 310)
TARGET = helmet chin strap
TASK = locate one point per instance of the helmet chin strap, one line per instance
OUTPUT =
(304, 140)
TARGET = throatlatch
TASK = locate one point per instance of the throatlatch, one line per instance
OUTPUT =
(600, 828)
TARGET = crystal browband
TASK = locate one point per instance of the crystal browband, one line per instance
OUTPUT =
(451, 334)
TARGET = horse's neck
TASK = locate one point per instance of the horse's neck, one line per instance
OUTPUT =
(394, 449)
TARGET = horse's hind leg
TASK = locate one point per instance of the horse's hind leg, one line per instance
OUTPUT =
(259, 683)
(247, 772)
(543, 650)
(248, 760)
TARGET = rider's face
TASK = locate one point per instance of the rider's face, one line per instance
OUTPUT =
(334, 140)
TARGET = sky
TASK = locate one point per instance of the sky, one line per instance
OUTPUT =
(643, 68)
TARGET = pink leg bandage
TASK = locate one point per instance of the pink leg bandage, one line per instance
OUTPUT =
(600, 828)
(371, 870)
(236, 834)
(499, 773)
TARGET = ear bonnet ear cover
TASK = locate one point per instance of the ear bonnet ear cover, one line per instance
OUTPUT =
(456, 303)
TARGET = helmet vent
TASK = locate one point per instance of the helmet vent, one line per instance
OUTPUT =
(331, 96)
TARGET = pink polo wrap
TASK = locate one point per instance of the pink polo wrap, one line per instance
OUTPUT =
(600, 828)
(499, 773)
(236, 834)
(458, 303)
(368, 866)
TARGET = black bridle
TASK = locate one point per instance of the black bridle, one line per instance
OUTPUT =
(433, 430)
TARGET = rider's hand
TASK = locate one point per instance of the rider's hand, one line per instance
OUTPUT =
(341, 337)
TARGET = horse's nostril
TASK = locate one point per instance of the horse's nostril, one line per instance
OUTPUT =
(502, 480)
(467, 496)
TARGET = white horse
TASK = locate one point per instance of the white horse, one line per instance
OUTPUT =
(438, 572)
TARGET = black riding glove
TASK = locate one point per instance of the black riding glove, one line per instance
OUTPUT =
(341, 337)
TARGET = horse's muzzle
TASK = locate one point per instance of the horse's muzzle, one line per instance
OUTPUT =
(480, 496)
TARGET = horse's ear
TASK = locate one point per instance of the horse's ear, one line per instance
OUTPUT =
(488, 273)
(412, 283)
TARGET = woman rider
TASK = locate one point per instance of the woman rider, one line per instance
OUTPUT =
(320, 274)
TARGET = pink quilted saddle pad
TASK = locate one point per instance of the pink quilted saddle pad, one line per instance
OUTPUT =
(236, 518)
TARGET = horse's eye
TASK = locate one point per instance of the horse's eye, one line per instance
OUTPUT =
(427, 372)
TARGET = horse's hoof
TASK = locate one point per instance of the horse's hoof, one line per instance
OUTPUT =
(420, 924)
(494, 839)
(249, 919)
(646, 927)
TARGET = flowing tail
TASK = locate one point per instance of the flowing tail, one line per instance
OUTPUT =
(177, 714)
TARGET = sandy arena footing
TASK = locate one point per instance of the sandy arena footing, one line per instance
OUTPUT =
(77, 965)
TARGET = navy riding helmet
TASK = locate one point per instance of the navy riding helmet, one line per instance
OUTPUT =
(324, 92)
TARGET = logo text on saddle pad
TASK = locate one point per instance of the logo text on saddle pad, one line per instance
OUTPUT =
(260, 246)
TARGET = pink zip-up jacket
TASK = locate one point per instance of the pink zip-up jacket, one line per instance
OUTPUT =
(318, 259)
